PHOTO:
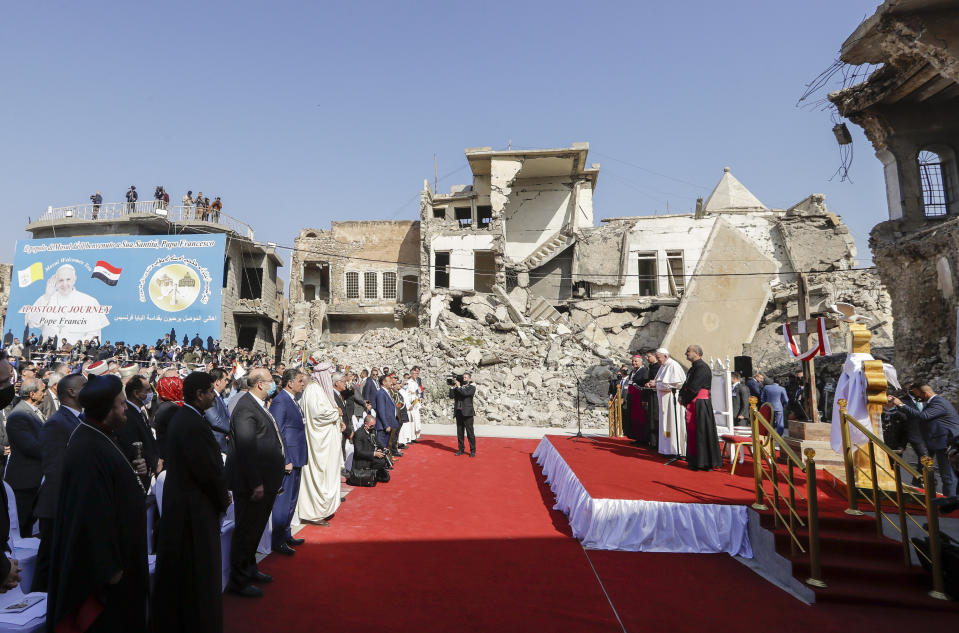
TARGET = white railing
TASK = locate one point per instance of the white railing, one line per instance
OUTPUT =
(176, 214)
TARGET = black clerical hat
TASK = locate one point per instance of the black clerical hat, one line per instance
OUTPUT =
(98, 394)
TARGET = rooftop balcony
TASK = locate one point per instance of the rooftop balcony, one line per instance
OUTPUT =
(148, 211)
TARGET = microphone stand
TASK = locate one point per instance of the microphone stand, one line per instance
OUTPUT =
(579, 427)
(678, 456)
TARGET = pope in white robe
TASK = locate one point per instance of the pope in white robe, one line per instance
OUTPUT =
(320, 480)
(672, 416)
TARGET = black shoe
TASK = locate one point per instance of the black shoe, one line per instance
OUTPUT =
(284, 549)
(295, 542)
(397, 454)
(459, 452)
(247, 591)
(401, 446)
(472, 453)
(263, 579)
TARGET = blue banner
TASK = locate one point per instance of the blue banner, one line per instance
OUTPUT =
(133, 288)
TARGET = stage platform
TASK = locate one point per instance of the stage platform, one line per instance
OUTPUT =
(621, 497)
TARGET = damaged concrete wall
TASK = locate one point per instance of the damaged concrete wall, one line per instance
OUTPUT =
(537, 210)
(723, 302)
(462, 250)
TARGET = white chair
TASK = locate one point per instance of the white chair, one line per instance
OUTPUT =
(24, 550)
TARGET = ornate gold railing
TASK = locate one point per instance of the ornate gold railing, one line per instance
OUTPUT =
(905, 495)
(616, 413)
(766, 442)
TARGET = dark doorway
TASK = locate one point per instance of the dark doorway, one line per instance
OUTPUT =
(484, 271)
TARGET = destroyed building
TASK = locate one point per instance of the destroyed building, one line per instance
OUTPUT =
(355, 277)
(519, 286)
(252, 310)
(907, 108)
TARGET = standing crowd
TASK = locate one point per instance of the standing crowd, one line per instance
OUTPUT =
(93, 443)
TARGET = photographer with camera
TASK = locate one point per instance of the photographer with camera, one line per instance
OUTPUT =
(462, 391)
(370, 459)
(97, 200)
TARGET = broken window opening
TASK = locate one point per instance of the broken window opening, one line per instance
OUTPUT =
(389, 285)
(309, 292)
(456, 307)
(411, 288)
(677, 277)
(369, 285)
(252, 285)
(484, 216)
(484, 271)
(935, 193)
(226, 272)
(317, 274)
(582, 290)
(648, 274)
(441, 269)
(439, 213)
(352, 285)
(512, 279)
(464, 215)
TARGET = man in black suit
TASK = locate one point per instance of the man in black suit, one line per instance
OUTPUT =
(9, 569)
(740, 403)
(254, 471)
(137, 429)
(939, 424)
(367, 450)
(462, 394)
(54, 436)
(24, 467)
(188, 594)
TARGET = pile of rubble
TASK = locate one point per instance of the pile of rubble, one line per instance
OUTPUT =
(526, 374)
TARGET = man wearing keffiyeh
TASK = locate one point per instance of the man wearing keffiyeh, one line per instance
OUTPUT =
(320, 480)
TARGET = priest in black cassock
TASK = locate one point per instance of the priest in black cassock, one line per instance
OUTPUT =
(702, 441)
(188, 593)
(635, 425)
(98, 563)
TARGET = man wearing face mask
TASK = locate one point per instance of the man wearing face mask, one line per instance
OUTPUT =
(146, 460)
(254, 471)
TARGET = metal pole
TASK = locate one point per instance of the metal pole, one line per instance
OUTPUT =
(903, 526)
(853, 508)
(809, 366)
(875, 487)
(757, 455)
(932, 517)
(815, 564)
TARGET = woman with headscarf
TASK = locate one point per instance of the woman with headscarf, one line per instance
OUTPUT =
(170, 393)
(320, 480)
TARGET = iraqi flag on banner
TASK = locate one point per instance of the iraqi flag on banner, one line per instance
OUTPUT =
(106, 273)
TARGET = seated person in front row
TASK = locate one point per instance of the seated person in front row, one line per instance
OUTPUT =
(367, 451)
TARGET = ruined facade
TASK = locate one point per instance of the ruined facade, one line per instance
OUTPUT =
(252, 309)
(355, 277)
(907, 109)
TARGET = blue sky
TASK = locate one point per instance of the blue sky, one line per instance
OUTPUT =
(302, 113)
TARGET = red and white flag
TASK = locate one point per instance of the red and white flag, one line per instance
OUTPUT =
(106, 273)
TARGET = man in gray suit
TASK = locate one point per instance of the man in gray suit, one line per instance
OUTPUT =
(24, 466)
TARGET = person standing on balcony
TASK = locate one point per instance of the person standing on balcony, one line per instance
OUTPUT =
(200, 213)
(217, 206)
(97, 200)
(131, 198)
(187, 202)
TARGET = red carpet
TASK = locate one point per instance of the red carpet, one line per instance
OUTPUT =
(460, 544)
(451, 544)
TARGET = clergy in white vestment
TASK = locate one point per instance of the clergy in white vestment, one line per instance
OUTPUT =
(407, 432)
(672, 416)
(320, 480)
(416, 388)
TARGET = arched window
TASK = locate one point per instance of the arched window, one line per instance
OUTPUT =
(933, 177)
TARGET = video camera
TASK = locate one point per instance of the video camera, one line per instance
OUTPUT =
(453, 378)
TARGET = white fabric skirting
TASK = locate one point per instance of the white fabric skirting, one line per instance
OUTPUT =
(642, 526)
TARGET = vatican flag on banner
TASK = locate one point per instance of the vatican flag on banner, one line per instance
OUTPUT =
(28, 275)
